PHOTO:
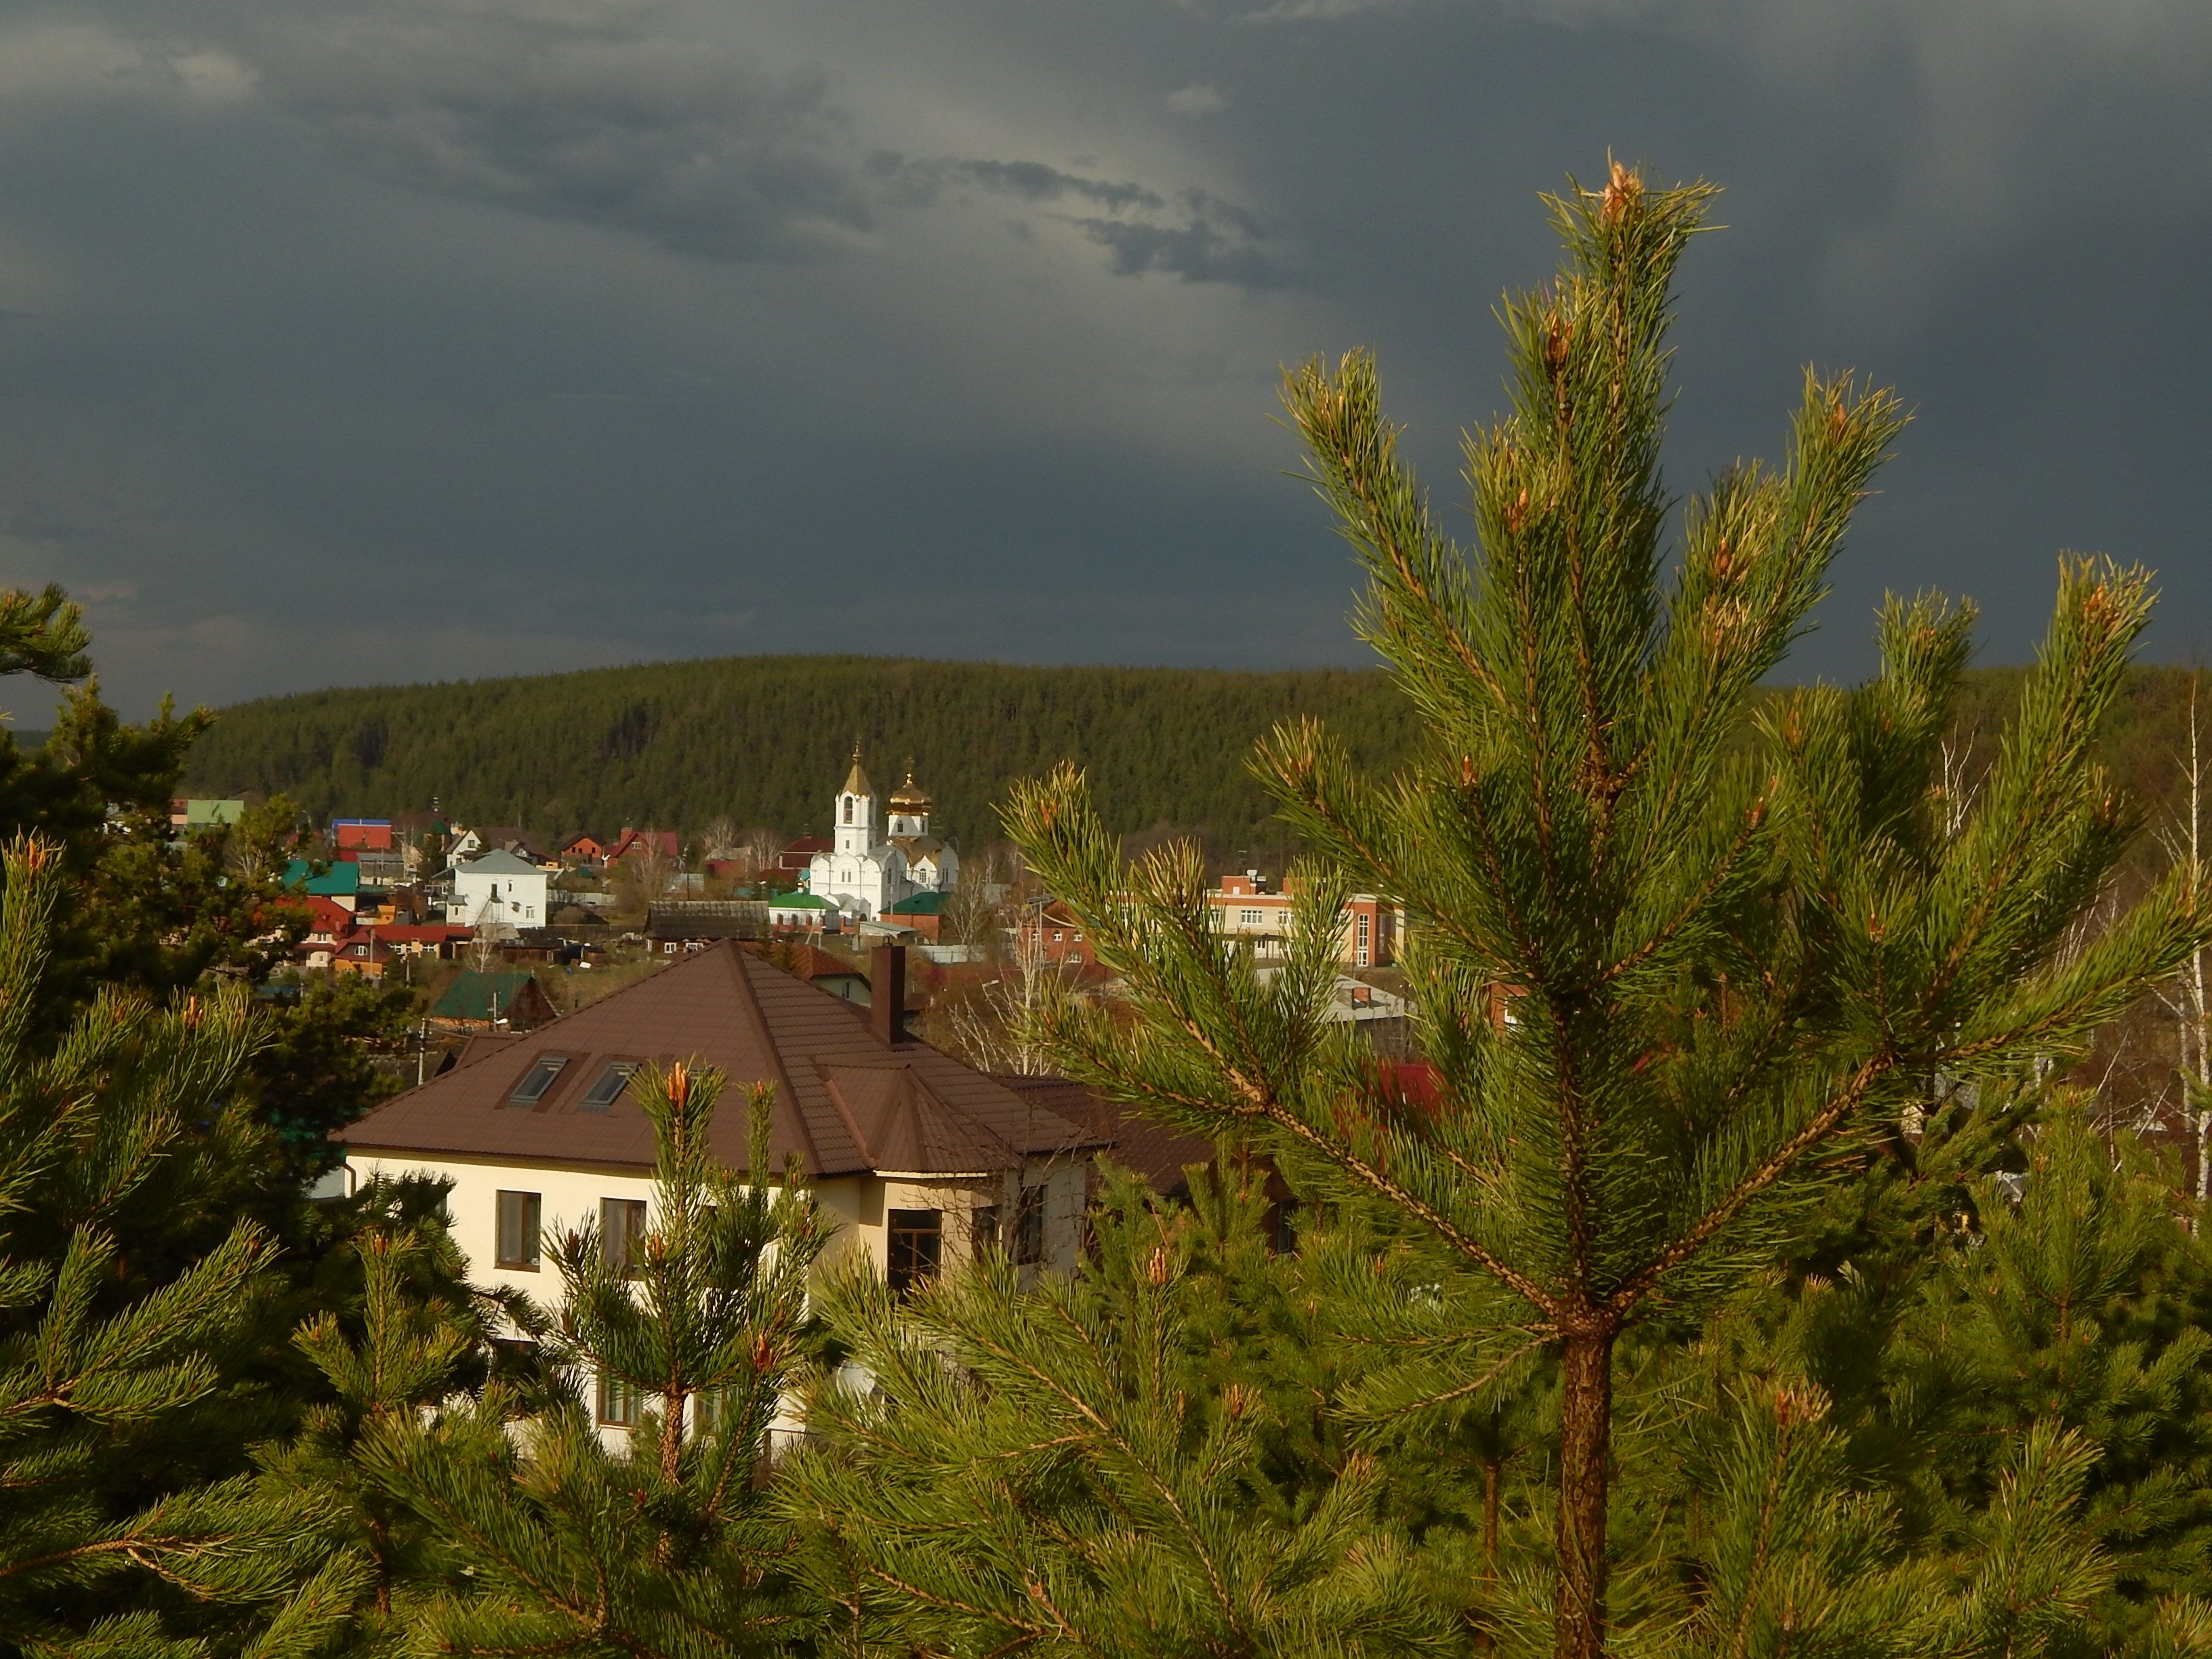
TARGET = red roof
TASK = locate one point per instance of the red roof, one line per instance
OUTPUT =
(797, 854)
(324, 915)
(663, 841)
(846, 1103)
(360, 836)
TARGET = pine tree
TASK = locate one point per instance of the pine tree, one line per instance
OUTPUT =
(407, 1335)
(1677, 953)
(666, 1548)
(2068, 1306)
(108, 1543)
(1113, 1464)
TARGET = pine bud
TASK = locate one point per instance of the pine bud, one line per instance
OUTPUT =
(1624, 190)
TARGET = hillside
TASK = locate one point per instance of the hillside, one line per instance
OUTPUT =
(765, 740)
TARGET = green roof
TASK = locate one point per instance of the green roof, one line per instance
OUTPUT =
(471, 995)
(199, 814)
(797, 902)
(341, 880)
(921, 904)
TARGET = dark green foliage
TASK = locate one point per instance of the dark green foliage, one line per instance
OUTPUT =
(329, 1057)
(766, 740)
(115, 1535)
(402, 1334)
(1132, 1457)
(547, 1541)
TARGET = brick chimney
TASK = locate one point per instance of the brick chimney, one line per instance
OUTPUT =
(887, 994)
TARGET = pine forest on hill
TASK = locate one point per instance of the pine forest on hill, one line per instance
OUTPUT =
(766, 740)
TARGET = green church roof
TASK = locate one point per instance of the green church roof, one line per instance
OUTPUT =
(921, 904)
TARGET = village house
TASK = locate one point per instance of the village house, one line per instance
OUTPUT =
(823, 969)
(663, 843)
(798, 855)
(1243, 908)
(923, 913)
(498, 889)
(340, 883)
(364, 953)
(491, 1002)
(192, 817)
(1053, 933)
(372, 845)
(672, 926)
(920, 1158)
(360, 836)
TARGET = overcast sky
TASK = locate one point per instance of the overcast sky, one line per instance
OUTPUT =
(399, 339)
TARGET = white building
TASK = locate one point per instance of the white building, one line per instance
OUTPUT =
(499, 889)
(864, 872)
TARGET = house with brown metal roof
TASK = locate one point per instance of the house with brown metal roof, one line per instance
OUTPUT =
(920, 1158)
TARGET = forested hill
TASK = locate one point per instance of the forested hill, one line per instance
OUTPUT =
(766, 740)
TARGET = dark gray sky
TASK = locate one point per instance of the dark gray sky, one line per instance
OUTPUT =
(395, 339)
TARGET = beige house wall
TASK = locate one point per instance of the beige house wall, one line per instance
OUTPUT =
(569, 1196)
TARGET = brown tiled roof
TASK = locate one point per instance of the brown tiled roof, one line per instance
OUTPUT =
(846, 1103)
(1154, 1151)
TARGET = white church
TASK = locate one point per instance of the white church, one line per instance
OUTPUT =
(866, 871)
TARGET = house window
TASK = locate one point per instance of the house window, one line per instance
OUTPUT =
(1249, 918)
(1361, 931)
(538, 1080)
(619, 1402)
(1029, 1226)
(622, 1234)
(848, 809)
(917, 1245)
(983, 1227)
(517, 1244)
(608, 1089)
(708, 1409)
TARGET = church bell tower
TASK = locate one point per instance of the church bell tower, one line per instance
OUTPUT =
(856, 815)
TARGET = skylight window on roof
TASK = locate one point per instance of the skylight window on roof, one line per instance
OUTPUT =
(538, 1080)
(608, 1090)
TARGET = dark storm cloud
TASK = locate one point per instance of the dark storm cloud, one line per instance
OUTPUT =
(392, 338)
(695, 145)
(616, 117)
